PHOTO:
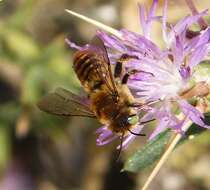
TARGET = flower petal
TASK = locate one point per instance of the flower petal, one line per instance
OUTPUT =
(162, 125)
(195, 115)
(198, 55)
(183, 24)
(105, 136)
(130, 137)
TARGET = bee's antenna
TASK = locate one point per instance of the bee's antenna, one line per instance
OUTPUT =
(144, 122)
(137, 134)
(121, 146)
(141, 105)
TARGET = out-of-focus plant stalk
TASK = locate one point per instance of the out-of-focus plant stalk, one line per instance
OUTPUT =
(95, 23)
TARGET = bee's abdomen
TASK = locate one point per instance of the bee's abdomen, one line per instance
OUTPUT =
(85, 66)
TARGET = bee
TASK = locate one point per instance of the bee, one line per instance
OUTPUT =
(109, 99)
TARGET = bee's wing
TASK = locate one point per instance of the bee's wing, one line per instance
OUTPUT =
(98, 43)
(104, 69)
(65, 103)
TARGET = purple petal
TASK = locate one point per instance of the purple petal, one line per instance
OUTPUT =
(198, 55)
(100, 142)
(185, 72)
(206, 126)
(185, 105)
(105, 136)
(146, 21)
(101, 129)
(192, 7)
(72, 44)
(162, 125)
(177, 51)
(142, 16)
(190, 111)
(179, 126)
(130, 137)
(153, 9)
(164, 28)
(183, 24)
(187, 21)
(202, 38)
(141, 42)
(111, 41)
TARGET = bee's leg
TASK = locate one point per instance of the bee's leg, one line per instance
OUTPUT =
(132, 72)
(145, 105)
(128, 74)
(118, 69)
(119, 65)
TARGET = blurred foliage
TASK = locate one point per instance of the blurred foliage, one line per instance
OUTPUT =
(28, 70)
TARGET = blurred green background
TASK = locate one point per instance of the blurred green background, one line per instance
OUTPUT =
(43, 152)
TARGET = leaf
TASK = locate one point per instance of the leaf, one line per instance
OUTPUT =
(150, 153)
(153, 150)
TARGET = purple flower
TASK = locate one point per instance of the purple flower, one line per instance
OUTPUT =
(165, 75)
(106, 136)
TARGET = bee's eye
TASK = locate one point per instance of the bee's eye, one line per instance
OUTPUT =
(133, 119)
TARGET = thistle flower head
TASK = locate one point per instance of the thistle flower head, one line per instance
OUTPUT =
(166, 76)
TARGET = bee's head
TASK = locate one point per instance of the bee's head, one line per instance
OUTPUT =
(125, 121)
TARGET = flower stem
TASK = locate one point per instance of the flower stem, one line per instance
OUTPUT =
(164, 157)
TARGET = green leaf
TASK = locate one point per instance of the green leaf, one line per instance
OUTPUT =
(150, 153)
